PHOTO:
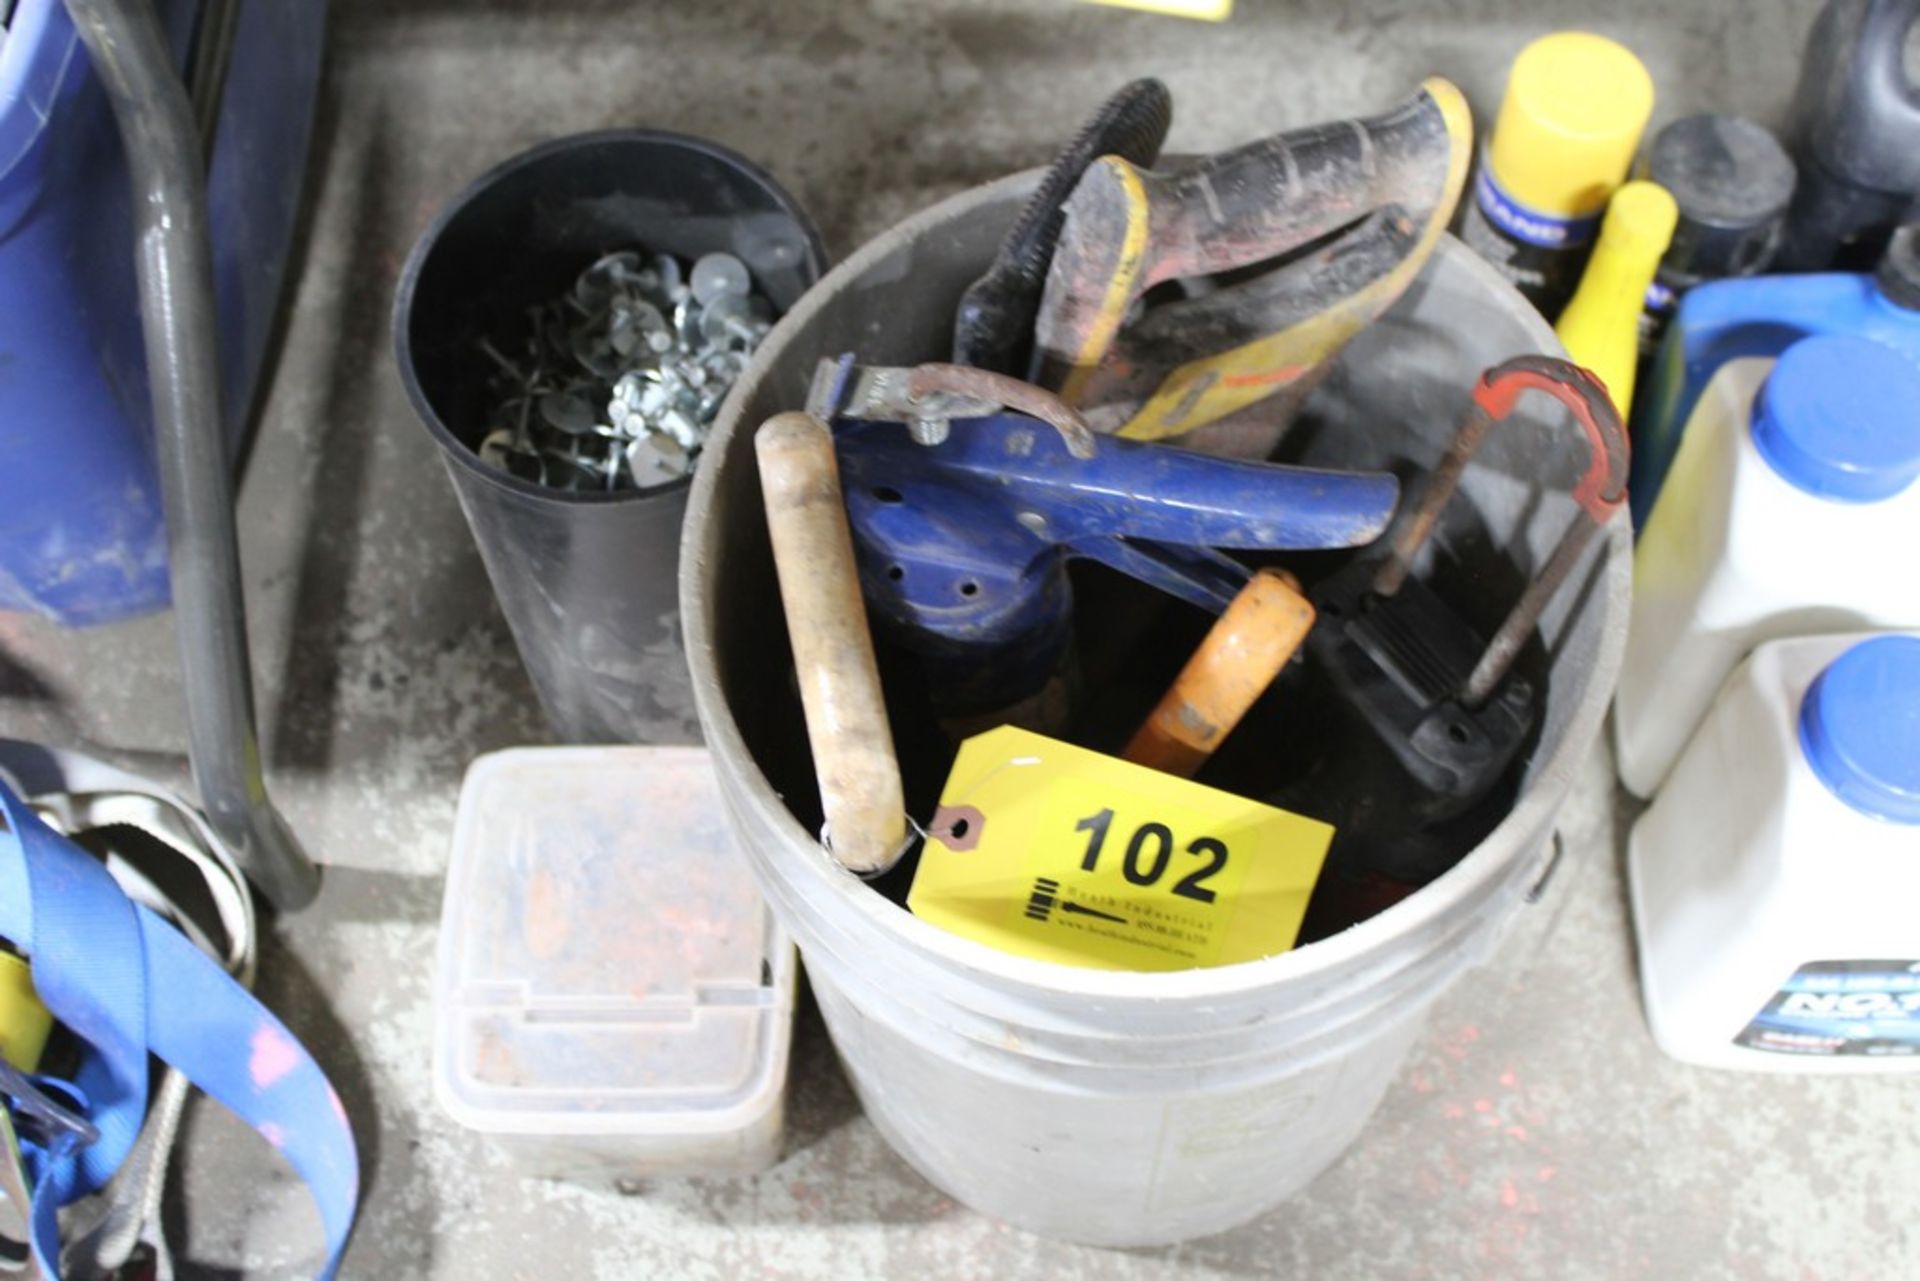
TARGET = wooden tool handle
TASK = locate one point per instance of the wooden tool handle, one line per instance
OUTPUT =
(832, 649)
(1256, 635)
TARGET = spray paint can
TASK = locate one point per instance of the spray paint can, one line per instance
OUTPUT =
(1575, 107)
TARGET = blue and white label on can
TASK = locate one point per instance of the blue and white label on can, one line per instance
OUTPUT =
(1827, 1008)
(1530, 226)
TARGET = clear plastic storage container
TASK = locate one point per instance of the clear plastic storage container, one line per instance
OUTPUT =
(612, 997)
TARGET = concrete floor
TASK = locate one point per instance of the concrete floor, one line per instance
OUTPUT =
(1536, 1131)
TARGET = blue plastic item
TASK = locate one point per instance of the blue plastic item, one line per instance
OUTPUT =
(128, 985)
(1840, 418)
(963, 546)
(1763, 316)
(1860, 727)
(82, 536)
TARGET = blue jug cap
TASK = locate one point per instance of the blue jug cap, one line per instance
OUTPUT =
(1839, 417)
(1860, 728)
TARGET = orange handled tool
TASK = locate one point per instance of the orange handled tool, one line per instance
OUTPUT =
(859, 777)
(1259, 631)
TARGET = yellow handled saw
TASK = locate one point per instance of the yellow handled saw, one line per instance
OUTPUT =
(1284, 249)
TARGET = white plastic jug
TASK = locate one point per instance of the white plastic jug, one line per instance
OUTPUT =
(1774, 878)
(1790, 511)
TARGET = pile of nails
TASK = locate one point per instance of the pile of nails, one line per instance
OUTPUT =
(619, 378)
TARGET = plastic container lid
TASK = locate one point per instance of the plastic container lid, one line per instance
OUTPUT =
(607, 970)
(1570, 123)
(1860, 728)
(1839, 417)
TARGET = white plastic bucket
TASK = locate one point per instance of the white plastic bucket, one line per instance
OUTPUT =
(1137, 1109)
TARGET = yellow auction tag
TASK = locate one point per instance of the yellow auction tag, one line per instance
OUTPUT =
(1207, 10)
(1048, 850)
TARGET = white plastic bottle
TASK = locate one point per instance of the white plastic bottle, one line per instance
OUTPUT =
(1790, 511)
(1774, 880)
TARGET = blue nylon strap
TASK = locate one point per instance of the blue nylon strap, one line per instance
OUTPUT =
(128, 984)
(101, 977)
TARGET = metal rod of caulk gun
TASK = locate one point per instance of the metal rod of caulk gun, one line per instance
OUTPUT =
(1444, 479)
(173, 258)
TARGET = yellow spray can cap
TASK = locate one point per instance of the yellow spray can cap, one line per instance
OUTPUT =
(1568, 128)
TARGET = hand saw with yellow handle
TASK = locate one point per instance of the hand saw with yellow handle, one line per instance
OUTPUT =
(1346, 213)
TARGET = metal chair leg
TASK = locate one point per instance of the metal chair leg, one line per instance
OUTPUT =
(174, 260)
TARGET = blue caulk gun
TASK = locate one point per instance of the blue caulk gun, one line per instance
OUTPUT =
(964, 523)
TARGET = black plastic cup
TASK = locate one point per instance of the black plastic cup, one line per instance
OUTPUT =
(586, 580)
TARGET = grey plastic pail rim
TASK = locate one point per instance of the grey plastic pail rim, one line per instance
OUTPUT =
(1470, 880)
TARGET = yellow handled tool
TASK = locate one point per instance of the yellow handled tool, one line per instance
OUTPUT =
(1376, 193)
(859, 776)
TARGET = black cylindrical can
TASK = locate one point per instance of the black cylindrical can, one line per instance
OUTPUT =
(1732, 181)
(587, 580)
